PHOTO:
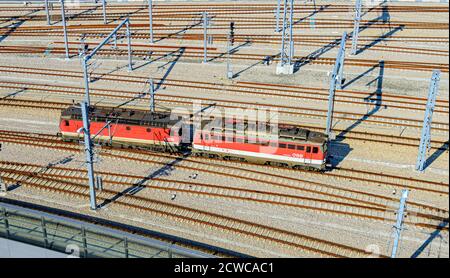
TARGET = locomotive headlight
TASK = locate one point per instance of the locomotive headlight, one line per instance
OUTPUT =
(80, 130)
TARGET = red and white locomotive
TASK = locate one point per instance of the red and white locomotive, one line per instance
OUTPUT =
(121, 127)
(292, 147)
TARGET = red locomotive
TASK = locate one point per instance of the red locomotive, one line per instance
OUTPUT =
(292, 147)
(122, 127)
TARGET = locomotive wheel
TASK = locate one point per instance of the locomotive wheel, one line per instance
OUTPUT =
(283, 165)
(239, 159)
(277, 164)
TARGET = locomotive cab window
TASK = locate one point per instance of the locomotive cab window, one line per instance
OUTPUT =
(66, 122)
(291, 147)
(308, 149)
(315, 150)
(283, 146)
(301, 148)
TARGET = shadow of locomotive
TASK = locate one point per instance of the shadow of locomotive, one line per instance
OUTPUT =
(337, 152)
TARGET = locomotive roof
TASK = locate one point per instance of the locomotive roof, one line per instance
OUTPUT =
(300, 134)
(121, 115)
(287, 133)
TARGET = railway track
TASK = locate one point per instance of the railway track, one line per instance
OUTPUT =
(251, 88)
(262, 89)
(245, 39)
(194, 217)
(125, 184)
(235, 7)
(169, 98)
(282, 109)
(241, 12)
(277, 178)
(250, 23)
(35, 87)
(218, 56)
(262, 19)
(96, 32)
(351, 135)
(364, 136)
